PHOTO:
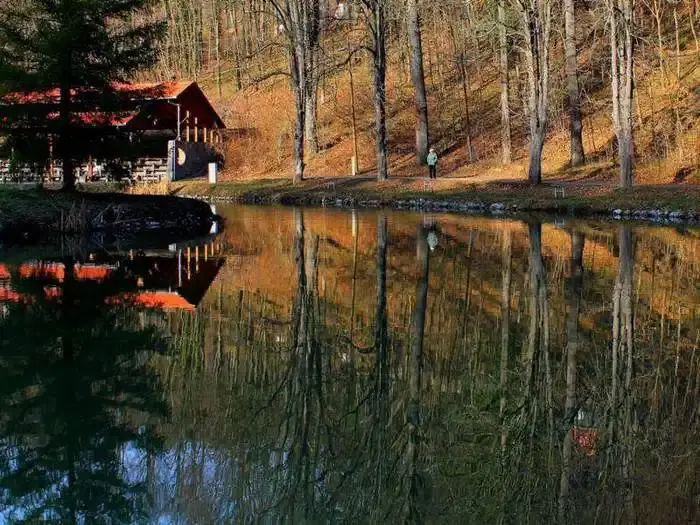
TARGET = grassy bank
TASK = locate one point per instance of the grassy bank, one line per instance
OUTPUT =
(31, 213)
(451, 194)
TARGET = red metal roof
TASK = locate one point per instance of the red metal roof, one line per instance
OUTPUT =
(138, 91)
(134, 97)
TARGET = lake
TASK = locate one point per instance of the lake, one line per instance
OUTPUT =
(322, 366)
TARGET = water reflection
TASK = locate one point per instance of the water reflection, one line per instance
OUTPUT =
(78, 405)
(390, 368)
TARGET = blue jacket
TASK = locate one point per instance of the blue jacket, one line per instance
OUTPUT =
(432, 159)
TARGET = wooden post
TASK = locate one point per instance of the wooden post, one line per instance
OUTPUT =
(204, 131)
(51, 163)
(187, 126)
(206, 252)
(189, 257)
(196, 129)
(355, 161)
(179, 268)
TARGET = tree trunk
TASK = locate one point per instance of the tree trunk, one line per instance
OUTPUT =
(577, 155)
(66, 146)
(298, 85)
(465, 90)
(379, 35)
(505, 97)
(621, 15)
(536, 22)
(418, 79)
(312, 31)
(312, 143)
(216, 14)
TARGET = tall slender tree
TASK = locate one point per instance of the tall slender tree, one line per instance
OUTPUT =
(621, 18)
(300, 21)
(536, 23)
(577, 155)
(375, 12)
(505, 91)
(418, 80)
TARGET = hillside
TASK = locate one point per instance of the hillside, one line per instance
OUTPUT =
(667, 111)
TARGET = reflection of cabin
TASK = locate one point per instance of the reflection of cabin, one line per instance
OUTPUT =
(136, 121)
(173, 279)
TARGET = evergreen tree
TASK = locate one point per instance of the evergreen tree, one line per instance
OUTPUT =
(77, 47)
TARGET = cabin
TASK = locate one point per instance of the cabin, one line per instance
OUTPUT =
(127, 132)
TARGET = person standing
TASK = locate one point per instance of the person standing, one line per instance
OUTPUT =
(432, 163)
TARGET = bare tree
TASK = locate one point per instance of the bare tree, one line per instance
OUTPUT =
(621, 17)
(536, 22)
(418, 79)
(505, 91)
(300, 21)
(576, 155)
(375, 12)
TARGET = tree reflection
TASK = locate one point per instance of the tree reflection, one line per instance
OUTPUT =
(621, 410)
(75, 385)
(573, 291)
(415, 489)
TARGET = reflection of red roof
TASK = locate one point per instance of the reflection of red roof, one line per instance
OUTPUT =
(57, 271)
(41, 270)
(164, 300)
(4, 272)
(53, 292)
(92, 272)
(9, 295)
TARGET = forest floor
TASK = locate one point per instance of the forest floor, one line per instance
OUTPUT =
(28, 215)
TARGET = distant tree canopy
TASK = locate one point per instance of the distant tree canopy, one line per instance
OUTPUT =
(73, 45)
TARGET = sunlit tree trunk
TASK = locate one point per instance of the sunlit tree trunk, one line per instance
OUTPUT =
(418, 79)
(576, 155)
(377, 25)
(505, 91)
(621, 18)
(536, 19)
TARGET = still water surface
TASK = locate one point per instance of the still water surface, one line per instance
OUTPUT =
(316, 366)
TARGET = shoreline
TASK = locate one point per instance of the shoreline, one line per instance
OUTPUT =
(645, 204)
(31, 215)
